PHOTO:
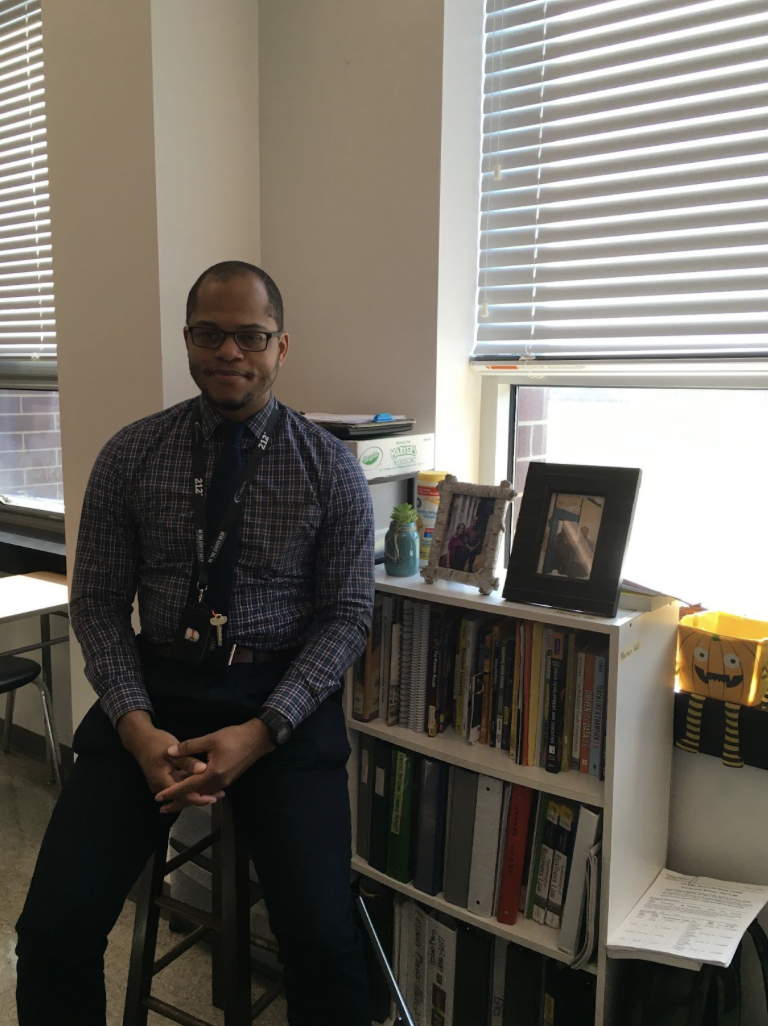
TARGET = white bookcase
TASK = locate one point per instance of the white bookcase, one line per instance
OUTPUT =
(634, 796)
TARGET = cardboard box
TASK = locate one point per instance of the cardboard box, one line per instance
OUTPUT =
(393, 455)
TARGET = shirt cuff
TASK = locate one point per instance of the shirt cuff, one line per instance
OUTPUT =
(118, 704)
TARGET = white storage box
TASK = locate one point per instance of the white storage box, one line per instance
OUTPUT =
(393, 455)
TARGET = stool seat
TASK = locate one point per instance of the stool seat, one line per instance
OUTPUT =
(15, 672)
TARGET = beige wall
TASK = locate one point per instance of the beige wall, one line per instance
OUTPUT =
(135, 216)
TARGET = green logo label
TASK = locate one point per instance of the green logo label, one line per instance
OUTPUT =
(372, 456)
(403, 455)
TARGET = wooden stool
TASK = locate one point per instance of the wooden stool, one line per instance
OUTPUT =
(228, 923)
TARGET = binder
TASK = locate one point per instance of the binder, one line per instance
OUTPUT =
(430, 837)
(587, 832)
(513, 864)
(485, 845)
(364, 794)
(522, 990)
(382, 773)
(498, 975)
(462, 800)
(472, 990)
(400, 816)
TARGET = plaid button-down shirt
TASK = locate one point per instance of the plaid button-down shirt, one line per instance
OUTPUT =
(304, 573)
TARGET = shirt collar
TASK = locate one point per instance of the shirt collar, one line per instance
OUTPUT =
(212, 418)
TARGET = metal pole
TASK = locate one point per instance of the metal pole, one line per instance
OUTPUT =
(404, 1015)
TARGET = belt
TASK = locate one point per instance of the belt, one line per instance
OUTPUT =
(241, 654)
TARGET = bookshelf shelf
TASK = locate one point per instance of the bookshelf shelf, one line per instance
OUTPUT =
(481, 759)
(634, 797)
(525, 931)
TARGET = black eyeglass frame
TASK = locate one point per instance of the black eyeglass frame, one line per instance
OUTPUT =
(192, 328)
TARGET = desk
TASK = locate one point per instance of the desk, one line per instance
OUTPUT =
(37, 594)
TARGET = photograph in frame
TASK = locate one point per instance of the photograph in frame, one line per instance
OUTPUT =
(571, 535)
(467, 533)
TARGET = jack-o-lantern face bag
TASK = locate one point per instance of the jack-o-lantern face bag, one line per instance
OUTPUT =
(723, 656)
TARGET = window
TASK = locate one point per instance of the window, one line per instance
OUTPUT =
(622, 269)
(30, 448)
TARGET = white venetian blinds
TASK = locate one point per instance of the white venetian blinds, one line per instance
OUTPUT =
(625, 179)
(27, 326)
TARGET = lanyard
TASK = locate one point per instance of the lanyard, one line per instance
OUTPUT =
(205, 559)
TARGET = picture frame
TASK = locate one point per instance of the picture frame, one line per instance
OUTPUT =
(467, 533)
(571, 535)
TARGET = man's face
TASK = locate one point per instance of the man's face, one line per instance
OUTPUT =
(235, 382)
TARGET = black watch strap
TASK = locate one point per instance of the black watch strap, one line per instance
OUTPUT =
(278, 726)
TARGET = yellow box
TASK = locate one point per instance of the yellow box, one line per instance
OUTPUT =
(723, 656)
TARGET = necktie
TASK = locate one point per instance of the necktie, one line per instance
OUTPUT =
(227, 475)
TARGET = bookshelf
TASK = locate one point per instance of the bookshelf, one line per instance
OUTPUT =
(634, 796)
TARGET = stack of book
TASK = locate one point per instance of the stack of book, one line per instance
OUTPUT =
(458, 975)
(497, 849)
(535, 691)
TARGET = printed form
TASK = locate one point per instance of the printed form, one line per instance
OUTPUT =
(688, 920)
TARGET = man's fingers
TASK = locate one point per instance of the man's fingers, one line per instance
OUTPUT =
(199, 783)
(188, 763)
(194, 746)
(191, 799)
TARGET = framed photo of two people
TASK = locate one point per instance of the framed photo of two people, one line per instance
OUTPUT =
(467, 534)
(571, 536)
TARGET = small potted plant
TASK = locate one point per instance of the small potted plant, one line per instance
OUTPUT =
(401, 545)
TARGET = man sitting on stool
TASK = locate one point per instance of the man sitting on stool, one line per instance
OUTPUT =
(248, 532)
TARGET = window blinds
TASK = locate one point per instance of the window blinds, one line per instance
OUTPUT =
(27, 326)
(624, 208)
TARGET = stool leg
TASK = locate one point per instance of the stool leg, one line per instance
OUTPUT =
(231, 976)
(144, 941)
(10, 702)
(51, 734)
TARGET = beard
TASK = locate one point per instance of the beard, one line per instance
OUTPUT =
(259, 387)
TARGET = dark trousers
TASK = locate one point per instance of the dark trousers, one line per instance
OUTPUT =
(292, 806)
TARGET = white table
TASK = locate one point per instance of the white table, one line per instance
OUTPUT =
(37, 594)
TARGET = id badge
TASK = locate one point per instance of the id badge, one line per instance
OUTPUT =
(192, 640)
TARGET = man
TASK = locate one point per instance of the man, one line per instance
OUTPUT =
(233, 684)
(473, 540)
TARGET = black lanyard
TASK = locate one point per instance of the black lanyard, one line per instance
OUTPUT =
(205, 559)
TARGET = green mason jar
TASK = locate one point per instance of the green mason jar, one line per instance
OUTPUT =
(401, 550)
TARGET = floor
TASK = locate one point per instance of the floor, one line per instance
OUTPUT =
(26, 800)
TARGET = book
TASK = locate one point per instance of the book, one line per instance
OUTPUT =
(534, 854)
(516, 701)
(387, 608)
(504, 631)
(445, 696)
(587, 834)
(542, 735)
(485, 845)
(441, 968)
(498, 974)
(373, 657)
(586, 711)
(533, 692)
(364, 794)
(472, 991)
(525, 688)
(420, 999)
(570, 701)
(460, 676)
(575, 998)
(462, 799)
(380, 798)
(560, 862)
(430, 832)
(557, 674)
(406, 978)
(514, 841)
(393, 709)
(406, 657)
(420, 667)
(437, 629)
(577, 710)
(522, 990)
(598, 719)
(400, 816)
(546, 856)
(480, 672)
(490, 636)
(507, 674)
(500, 845)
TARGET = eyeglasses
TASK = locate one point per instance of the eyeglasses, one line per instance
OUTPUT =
(249, 341)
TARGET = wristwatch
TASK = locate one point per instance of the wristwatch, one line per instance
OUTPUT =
(278, 726)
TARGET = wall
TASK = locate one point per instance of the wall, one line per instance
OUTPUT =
(154, 176)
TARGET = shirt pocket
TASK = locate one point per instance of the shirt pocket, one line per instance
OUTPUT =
(280, 540)
(167, 534)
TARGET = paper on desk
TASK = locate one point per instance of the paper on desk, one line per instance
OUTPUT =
(688, 920)
(349, 418)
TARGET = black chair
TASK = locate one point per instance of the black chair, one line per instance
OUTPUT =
(228, 926)
(15, 673)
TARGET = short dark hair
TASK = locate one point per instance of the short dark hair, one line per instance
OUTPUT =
(237, 269)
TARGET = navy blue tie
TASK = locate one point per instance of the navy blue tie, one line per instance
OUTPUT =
(227, 475)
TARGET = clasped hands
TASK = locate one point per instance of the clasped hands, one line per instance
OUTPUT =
(193, 772)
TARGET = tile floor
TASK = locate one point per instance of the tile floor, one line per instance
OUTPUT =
(26, 800)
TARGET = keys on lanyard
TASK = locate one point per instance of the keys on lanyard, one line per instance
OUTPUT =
(217, 621)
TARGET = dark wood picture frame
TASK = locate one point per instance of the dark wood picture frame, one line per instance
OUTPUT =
(597, 592)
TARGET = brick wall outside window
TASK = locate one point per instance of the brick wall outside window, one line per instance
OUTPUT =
(30, 445)
(531, 444)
